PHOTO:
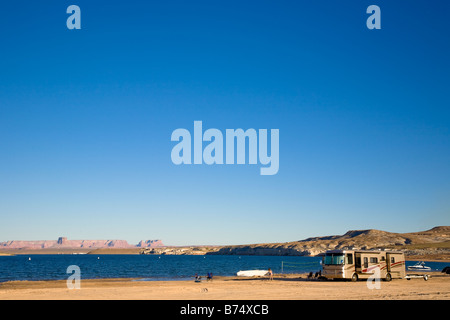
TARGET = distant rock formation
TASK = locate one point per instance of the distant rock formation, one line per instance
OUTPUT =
(191, 250)
(63, 242)
(427, 242)
(435, 241)
(150, 244)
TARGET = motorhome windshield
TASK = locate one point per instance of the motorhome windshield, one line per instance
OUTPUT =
(334, 258)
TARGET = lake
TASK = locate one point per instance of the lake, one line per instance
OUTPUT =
(153, 267)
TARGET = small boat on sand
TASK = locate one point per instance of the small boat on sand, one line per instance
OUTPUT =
(420, 266)
(253, 273)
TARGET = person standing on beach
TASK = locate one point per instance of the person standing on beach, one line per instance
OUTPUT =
(270, 274)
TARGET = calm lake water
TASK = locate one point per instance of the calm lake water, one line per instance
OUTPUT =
(153, 267)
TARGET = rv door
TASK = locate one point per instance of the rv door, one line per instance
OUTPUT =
(358, 262)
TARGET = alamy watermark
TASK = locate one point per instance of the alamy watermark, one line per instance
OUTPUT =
(374, 281)
(73, 281)
(235, 142)
(374, 20)
(74, 20)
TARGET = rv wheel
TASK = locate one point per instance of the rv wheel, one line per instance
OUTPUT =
(388, 277)
(354, 277)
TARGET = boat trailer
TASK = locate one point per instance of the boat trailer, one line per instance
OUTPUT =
(416, 276)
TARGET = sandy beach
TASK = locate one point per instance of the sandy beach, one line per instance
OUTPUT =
(282, 287)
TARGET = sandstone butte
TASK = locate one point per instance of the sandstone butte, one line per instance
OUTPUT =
(64, 243)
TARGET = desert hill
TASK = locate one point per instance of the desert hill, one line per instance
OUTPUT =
(433, 241)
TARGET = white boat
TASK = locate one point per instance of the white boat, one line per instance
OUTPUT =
(253, 273)
(420, 266)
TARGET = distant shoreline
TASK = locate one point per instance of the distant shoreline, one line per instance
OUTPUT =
(137, 251)
(430, 245)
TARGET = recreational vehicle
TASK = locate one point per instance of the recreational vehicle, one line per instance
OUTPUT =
(362, 264)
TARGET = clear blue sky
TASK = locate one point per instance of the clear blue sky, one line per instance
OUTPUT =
(86, 118)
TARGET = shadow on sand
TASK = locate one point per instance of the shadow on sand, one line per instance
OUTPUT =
(278, 278)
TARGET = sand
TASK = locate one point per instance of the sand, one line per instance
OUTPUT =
(293, 287)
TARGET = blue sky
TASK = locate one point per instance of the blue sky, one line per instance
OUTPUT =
(86, 118)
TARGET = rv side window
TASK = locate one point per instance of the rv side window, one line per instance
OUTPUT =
(373, 260)
(366, 262)
(392, 260)
(383, 259)
(349, 258)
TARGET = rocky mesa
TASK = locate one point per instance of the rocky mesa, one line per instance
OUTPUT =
(64, 243)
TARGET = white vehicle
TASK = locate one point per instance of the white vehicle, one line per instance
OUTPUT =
(362, 264)
(253, 273)
(420, 266)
